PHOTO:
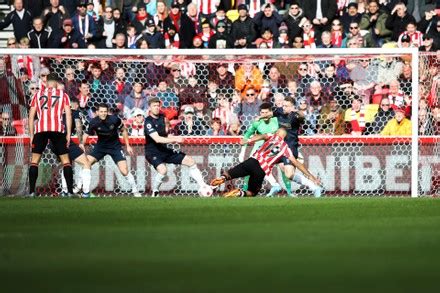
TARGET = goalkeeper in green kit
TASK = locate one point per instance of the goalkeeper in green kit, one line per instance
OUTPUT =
(265, 124)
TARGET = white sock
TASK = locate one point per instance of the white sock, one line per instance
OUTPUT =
(302, 180)
(132, 182)
(63, 183)
(86, 178)
(272, 181)
(157, 181)
(195, 173)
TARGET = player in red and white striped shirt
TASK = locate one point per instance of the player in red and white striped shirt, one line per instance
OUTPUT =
(261, 163)
(46, 123)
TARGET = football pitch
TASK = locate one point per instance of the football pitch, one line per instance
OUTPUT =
(220, 245)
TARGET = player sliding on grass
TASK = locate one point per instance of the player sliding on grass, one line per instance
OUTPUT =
(107, 128)
(156, 152)
(264, 124)
(260, 164)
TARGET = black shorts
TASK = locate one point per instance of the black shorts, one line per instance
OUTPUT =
(116, 153)
(251, 167)
(57, 139)
(74, 151)
(164, 156)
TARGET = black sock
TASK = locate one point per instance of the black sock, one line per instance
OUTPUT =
(33, 175)
(68, 175)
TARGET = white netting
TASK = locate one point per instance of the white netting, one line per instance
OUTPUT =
(344, 98)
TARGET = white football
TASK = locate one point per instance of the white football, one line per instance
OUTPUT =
(205, 191)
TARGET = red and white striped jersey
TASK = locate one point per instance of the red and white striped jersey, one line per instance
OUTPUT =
(50, 104)
(206, 6)
(271, 152)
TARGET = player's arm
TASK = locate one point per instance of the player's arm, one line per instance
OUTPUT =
(258, 137)
(68, 112)
(79, 133)
(170, 139)
(303, 169)
(32, 113)
(127, 140)
(249, 132)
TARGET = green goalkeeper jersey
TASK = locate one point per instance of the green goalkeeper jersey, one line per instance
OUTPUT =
(261, 127)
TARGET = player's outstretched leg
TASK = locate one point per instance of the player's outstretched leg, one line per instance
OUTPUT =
(158, 179)
(302, 180)
(194, 171)
(275, 186)
(287, 183)
(123, 168)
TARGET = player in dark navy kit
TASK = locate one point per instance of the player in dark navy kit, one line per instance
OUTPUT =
(156, 152)
(107, 129)
(77, 154)
(292, 121)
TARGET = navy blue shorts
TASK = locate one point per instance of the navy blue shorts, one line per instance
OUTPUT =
(74, 151)
(164, 155)
(294, 149)
(116, 153)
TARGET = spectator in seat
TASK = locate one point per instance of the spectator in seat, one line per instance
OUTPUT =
(316, 98)
(190, 125)
(374, 21)
(221, 39)
(173, 18)
(328, 80)
(175, 80)
(397, 96)
(309, 35)
(354, 35)
(189, 26)
(172, 39)
(6, 128)
(411, 32)
(85, 100)
(246, 76)
(359, 115)
(388, 70)
(84, 23)
(109, 23)
(426, 119)
(191, 92)
(154, 38)
(310, 118)
(201, 111)
(364, 77)
(70, 84)
(211, 95)
(326, 40)
(97, 80)
(132, 37)
(121, 24)
(385, 114)
(222, 77)
(224, 111)
(39, 37)
(53, 17)
(141, 18)
(243, 28)
(399, 125)
(268, 18)
(321, 15)
(169, 100)
(303, 78)
(247, 108)
(122, 87)
(405, 79)
(266, 41)
(277, 81)
(398, 20)
(241, 42)
(68, 38)
(20, 18)
(216, 128)
(292, 18)
(136, 100)
(428, 44)
(349, 16)
(120, 41)
(136, 124)
(298, 42)
(331, 121)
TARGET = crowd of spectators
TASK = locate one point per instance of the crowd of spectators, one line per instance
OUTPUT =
(224, 24)
(337, 96)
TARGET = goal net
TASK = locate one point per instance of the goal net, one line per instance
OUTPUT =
(212, 97)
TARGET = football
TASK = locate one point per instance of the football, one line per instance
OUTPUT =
(205, 191)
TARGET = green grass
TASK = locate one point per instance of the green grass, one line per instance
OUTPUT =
(220, 245)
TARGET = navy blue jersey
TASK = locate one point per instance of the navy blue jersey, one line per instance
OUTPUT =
(107, 130)
(151, 126)
(292, 123)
